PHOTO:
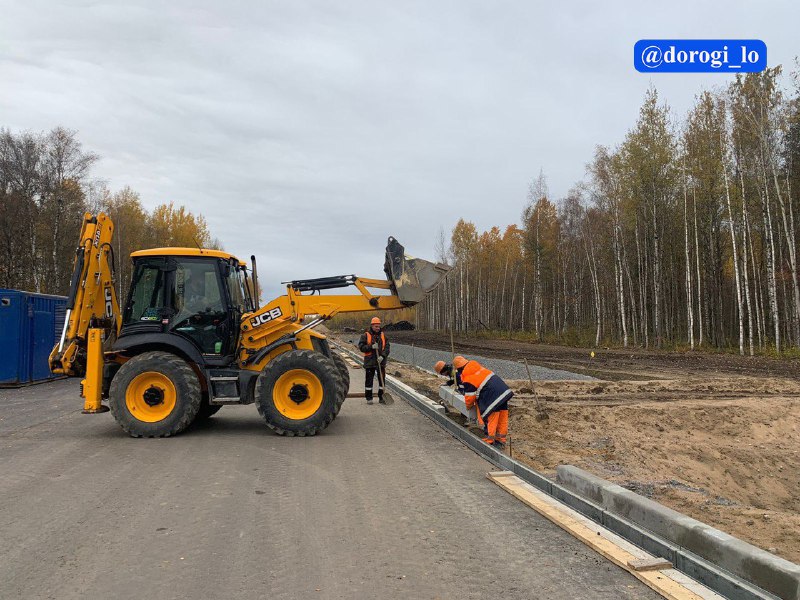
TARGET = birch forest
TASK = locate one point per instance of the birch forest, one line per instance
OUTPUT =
(684, 235)
(46, 186)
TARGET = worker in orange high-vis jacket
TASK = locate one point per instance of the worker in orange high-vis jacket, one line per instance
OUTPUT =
(375, 346)
(484, 390)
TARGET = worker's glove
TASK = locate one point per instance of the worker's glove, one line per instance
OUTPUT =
(375, 346)
(449, 382)
(380, 359)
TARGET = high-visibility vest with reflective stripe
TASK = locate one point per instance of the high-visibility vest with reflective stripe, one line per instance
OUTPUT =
(369, 343)
(482, 386)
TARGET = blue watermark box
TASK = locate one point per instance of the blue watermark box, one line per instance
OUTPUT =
(700, 56)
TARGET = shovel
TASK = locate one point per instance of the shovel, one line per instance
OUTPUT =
(541, 409)
(387, 397)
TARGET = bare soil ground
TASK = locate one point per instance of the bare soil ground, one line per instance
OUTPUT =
(714, 436)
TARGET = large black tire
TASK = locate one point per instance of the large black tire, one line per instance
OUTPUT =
(155, 365)
(344, 373)
(270, 398)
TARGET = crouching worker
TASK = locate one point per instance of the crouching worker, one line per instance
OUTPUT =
(375, 346)
(447, 370)
(485, 390)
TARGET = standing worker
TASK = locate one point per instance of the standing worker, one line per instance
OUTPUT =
(374, 345)
(483, 388)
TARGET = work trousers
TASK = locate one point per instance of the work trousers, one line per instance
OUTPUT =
(370, 373)
(495, 427)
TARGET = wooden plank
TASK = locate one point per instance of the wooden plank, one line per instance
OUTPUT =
(599, 539)
(648, 564)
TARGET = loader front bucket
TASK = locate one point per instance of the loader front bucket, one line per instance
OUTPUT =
(412, 278)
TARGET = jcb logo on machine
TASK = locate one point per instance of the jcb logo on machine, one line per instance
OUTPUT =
(97, 239)
(109, 304)
(266, 317)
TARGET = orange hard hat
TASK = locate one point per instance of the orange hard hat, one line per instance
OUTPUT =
(439, 367)
(459, 361)
(375, 321)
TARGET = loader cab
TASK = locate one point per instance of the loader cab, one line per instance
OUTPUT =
(195, 298)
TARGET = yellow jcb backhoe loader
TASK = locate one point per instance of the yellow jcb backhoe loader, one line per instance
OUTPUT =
(192, 337)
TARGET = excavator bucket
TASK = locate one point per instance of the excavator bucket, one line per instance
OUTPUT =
(411, 278)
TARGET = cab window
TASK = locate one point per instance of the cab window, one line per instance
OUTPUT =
(199, 306)
(236, 285)
(147, 295)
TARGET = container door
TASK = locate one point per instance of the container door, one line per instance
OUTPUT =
(11, 315)
(42, 344)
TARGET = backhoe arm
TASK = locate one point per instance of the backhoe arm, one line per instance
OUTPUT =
(408, 280)
(296, 305)
(93, 314)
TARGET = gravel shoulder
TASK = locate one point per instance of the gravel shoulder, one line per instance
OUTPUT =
(508, 369)
(608, 364)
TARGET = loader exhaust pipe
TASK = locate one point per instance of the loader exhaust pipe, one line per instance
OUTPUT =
(411, 278)
(256, 293)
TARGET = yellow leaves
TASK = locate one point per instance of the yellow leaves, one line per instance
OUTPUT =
(178, 227)
(136, 229)
(72, 188)
(542, 227)
(464, 239)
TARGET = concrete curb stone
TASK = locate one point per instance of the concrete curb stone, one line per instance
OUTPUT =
(762, 568)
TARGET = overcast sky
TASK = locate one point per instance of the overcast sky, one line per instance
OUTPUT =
(307, 132)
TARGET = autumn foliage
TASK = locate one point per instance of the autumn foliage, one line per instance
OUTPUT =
(683, 235)
(45, 188)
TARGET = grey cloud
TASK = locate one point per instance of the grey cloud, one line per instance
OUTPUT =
(308, 132)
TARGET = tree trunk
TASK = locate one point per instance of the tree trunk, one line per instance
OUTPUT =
(745, 228)
(699, 279)
(689, 302)
(656, 280)
(590, 259)
(772, 286)
(618, 276)
(735, 257)
(642, 288)
(791, 243)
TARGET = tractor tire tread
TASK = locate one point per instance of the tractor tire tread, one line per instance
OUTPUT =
(187, 386)
(344, 372)
(317, 422)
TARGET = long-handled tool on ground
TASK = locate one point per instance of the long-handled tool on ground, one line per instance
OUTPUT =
(541, 410)
(387, 397)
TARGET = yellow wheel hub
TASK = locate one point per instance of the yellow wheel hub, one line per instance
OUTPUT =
(151, 396)
(297, 394)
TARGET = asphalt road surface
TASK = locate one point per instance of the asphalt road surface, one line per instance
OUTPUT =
(383, 504)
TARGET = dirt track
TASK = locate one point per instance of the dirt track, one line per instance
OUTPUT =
(714, 436)
(383, 504)
(610, 364)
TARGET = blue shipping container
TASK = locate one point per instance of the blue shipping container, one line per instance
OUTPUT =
(30, 325)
